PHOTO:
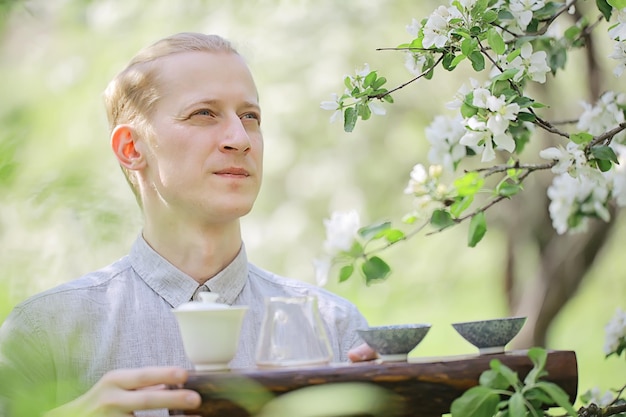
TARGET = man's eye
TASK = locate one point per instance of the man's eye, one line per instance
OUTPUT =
(202, 112)
(253, 116)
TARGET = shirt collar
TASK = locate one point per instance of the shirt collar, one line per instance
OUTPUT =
(176, 287)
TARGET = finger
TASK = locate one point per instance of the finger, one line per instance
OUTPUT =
(362, 353)
(180, 399)
(132, 379)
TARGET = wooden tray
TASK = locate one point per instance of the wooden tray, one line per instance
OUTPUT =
(422, 387)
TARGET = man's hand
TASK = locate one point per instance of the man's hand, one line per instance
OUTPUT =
(120, 392)
(362, 353)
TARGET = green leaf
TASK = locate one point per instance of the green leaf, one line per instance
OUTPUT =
(581, 138)
(572, 32)
(469, 184)
(618, 4)
(356, 250)
(348, 83)
(495, 41)
(603, 165)
(526, 117)
(493, 379)
(479, 8)
(538, 356)
(460, 205)
(349, 119)
(559, 396)
(490, 16)
(535, 395)
(557, 57)
(508, 189)
(508, 374)
(514, 54)
(604, 8)
(457, 59)
(604, 153)
(388, 98)
(345, 272)
(394, 235)
(478, 61)
(369, 231)
(379, 83)
(524, 101)
(468, 46)
(441, 219)
(448, 58)
(506, 75)
(363, 110)
(517, 408)
(369, 79)
(477, 229)
(476, 402)
(375, 269)
(468, 111)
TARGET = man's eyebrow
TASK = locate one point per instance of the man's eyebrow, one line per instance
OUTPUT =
(216, 101)
(252, 104)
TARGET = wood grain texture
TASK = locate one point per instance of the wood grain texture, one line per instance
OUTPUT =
(422, 387)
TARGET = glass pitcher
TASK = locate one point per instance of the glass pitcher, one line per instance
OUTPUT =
(292, 333)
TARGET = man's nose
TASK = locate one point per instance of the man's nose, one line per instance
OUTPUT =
(235, 137)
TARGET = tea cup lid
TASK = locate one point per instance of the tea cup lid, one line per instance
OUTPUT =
(208, 301)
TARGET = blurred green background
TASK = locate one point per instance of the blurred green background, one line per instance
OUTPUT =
(67, 210)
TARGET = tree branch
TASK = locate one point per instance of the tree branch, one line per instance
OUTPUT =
(607, 136)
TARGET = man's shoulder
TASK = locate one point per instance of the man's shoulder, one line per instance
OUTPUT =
(93, 280)
(283, 286)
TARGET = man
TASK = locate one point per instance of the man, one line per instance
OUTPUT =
(186, 129)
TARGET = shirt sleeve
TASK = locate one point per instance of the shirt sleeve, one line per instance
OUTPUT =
(26, 368)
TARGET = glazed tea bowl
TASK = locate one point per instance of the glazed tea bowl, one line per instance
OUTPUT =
(394, 342)
(490, 336)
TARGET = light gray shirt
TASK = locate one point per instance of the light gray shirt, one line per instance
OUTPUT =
(121, 317)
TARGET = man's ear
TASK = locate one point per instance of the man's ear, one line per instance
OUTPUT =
(124, 144)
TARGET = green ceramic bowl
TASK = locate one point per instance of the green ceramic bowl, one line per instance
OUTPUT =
(490, 336)
(394, 342)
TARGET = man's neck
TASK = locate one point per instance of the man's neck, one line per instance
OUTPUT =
(199, 252)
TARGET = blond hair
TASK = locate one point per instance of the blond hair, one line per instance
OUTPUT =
(131, 96)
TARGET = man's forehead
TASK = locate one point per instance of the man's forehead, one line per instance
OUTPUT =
(198, 73)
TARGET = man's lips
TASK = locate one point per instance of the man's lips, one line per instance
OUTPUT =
(233, 171)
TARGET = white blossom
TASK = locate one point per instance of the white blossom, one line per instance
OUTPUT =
(600, 399)
(427, 189)
(484, 129)
(618, 31)
(436, 29)
(467, 4)
(619, 54)
(533, 65)
(573, 200)
(523, 10)
(376, 108)
(569, 159)
(334, 104)
(417, 181)
(479, 139)
(463, 91)
(363, 71)
(615, 332)
(413, 28)
(414, 62)
(444, 134)
(341, 230)
(604, 115)
(617, 175)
